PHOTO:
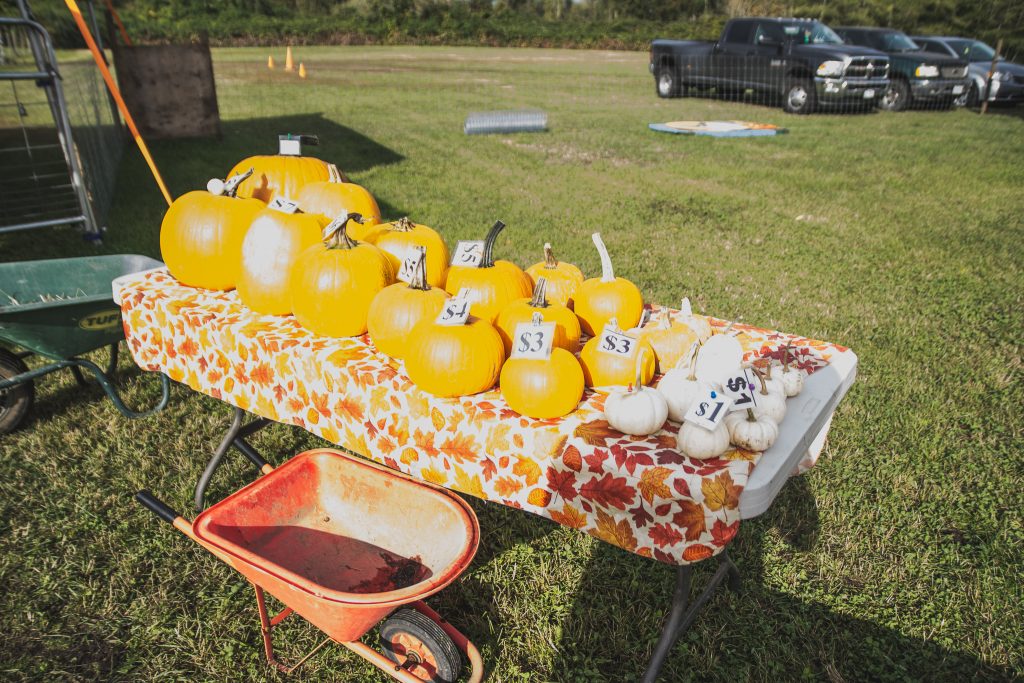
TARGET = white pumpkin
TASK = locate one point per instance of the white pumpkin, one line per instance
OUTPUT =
(792, 379)
(720, 357)
(770, 404)
(638, 410)
(750, 432)
(700, 443)
(698, 323)
(681, 388)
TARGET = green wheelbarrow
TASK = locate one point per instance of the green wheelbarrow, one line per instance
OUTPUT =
(60, 309)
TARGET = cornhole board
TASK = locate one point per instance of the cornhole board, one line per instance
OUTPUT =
(718, 129)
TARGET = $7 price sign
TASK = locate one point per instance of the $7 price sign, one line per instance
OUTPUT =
(616, 343)
(709, 410)
(456, 310)
(468, 253)
(533, 340)
(740, 388)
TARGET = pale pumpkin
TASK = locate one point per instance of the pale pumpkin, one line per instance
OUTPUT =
(598, 300)
(330, 199)
(543, 388)
(681, 388)
(720, 357)
(698, 323)
(400, 307)
(283, 174)
(400, 240)
(671, 340)
(770, 404)
(567, 325)
(702, 444)
(638, 410)
(272, 244)
(750, 432)
(333, 283)
(454, 360)
(201, 234)
(563, 278)
(491, 285)
(792, 379)
(601, 368)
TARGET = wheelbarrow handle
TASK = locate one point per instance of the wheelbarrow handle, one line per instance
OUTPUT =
(156, 506)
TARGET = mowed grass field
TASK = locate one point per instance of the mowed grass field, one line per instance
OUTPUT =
(899, 557)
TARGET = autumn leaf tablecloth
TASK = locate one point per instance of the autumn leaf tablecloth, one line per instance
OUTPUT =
(637, 493)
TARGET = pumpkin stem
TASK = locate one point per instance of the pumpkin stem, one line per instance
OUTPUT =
(613, 323)
(336, 233)
(403, 224)
(785, 358)
(607, 273)
(419, 273)
(540, 299)
(685, 309)
(232, 183)
(692, 356)
(760, 377)
(492, 236)
(640, 368)
(750, 416)
(550, 261)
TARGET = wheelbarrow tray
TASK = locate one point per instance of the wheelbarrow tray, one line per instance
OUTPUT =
(341, 540)
(60, 308)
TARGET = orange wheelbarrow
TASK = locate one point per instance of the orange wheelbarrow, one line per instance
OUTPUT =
(345, 543)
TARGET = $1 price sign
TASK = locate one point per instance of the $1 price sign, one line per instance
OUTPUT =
(616, 343)
(283, 205)
(709, 410)
(740, 388)
(468, 253)
(533, 340)
(456, 310)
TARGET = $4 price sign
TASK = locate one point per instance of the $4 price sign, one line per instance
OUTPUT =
(709, 410)
(616, 343)
(456, 310)
(468, 253)
(740, 388)
(533, 340)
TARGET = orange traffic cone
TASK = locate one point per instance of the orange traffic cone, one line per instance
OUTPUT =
(270, 62)
(289, 65)
(302, 70)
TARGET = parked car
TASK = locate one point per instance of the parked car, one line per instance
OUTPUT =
(801, 60)
(1007, 81)
(915, 76)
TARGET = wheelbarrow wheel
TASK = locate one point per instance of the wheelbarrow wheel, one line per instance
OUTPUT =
(415, 642)
(15, 401)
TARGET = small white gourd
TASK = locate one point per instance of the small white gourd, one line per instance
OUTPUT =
(638, 410)
(680, 387)
(770, 404)
(700, 443)
(751, 432)
(699, 324)
(792, 379)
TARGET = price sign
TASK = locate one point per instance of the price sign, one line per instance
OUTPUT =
(284, 205)
(616, 343)
(740, 388)
(410, 264)
(456, 311)
(468, 253)
(533, 340)
(709, 410)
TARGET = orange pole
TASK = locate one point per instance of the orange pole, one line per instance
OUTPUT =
(112, 86)
(117, 20)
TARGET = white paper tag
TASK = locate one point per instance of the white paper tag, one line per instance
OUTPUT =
(533, 341)
(333, 174)
(283, 204)
(456, 311)
(616, 343)
(709, 410)
(740, 388)
(408, 268)
(468, 253)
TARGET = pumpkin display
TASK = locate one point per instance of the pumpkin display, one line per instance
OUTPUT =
(454, 360)
(492, 284)
(720, 357)
(330, 199)
(792, 379)
(272, 244)
(201, 234)
(638, 410)
(602, 368)
(598, 300)
(333, 283)
(702, 444)
(567, 325)
(681, 388)
(770, 404)
(400, 239)
(750, 432)
(698, 323)
(670, 340)
(283, 174)
(563, 278)
(543, 388)
(400, 307)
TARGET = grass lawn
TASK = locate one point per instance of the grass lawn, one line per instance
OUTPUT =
(900, 235)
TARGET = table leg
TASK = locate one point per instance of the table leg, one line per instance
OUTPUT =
(235, 436)
(679, 617)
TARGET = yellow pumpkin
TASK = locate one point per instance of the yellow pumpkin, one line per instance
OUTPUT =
(492, 284)
(400, 239)
(567, 325)
(598, 300)
(273, 243)
(331, 199)
(602, 368)
(400, 307)
(563, 278)
(454, 360)
(202, 232)
(543, 388)
(283, 174)
(670, 339)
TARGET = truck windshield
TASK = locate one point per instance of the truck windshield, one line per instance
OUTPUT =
(813, 32)
(972, 50)
(895, 41)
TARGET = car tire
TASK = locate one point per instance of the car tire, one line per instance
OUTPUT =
(973, 97)
(799, 96)
(897, 97)
(665, 83)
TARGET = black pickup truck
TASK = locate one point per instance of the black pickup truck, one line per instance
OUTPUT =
(801, 60)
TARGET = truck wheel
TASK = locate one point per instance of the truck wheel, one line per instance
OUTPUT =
(897, 97)
(800, 97)
(973, 97)
(666, 84)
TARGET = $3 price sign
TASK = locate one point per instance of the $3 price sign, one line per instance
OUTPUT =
(456, 310)
(533, 341)
(709, 410)
(616, 343)
(468, 253)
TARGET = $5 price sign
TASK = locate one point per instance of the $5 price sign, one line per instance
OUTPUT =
(468, 253)
(709, 410)
(533, 340)
(410, 264)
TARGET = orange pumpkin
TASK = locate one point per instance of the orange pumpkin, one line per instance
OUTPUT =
(670, 339)
(273, 243)
(492, 284)
(563, 278)
(543, 388)
(333, 283)
(602, 368)
(283, 174)
(400, 307)
(567, 325)
(330, 199)
(598, 300)
(202, 232)
(400, 239)
(454, 360)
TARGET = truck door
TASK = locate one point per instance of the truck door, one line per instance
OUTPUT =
(730, 58)
(767, 66)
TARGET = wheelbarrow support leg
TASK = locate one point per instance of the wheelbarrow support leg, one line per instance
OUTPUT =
(679, 617)
(267, 624)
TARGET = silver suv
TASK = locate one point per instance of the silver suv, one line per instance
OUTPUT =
(1007, 81)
